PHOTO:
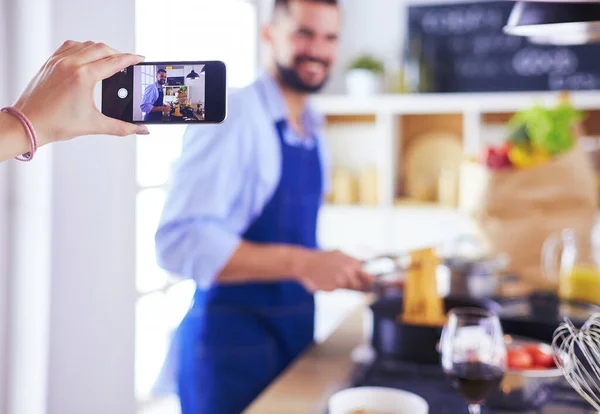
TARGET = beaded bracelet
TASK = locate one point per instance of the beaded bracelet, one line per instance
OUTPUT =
(28, 156)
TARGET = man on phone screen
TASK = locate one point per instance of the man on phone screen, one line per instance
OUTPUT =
(153, 104)
(240, 219)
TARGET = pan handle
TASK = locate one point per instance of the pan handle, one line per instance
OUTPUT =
(401, 261)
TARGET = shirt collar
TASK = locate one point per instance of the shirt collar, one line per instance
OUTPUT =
(277, 108)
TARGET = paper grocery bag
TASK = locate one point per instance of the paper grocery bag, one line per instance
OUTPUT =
(521, 208)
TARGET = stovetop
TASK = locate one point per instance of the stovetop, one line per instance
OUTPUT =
(429, 382)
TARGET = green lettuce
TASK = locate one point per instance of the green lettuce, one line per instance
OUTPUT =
(548, 128)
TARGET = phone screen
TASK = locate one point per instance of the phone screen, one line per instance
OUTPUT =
(167, 93)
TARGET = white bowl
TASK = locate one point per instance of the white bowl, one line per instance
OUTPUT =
(377, 399)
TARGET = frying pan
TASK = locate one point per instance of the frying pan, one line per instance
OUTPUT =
(394, 339)
(536, 316)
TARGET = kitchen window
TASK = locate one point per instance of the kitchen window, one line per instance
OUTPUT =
(148, 76)
(178, 30)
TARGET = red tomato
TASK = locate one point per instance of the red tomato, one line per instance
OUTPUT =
(532, 348)
(546, 361)
(540, 357)
(519, 359)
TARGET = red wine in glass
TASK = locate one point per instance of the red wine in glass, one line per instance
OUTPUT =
(473, 354)
(475, 381)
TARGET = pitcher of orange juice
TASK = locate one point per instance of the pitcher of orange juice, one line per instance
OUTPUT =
(572, 260)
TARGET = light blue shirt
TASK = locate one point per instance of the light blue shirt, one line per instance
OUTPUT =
(226, 175)
(150, 96)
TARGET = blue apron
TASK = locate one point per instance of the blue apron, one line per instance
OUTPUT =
(237, 338)
(156, 116)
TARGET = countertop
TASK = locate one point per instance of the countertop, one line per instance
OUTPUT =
(305, 387)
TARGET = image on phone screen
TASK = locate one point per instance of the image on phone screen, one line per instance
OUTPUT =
(167, 93)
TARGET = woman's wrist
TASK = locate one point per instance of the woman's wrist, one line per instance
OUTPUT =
(16, 138)
(41, 138)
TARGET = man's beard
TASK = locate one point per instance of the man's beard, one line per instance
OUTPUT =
(290, 77)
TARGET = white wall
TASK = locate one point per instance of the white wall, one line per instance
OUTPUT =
(93, 314)
(197, 90)
(4, 207)
(31, 226)
(72, 298)
(175, 73)
(373, 27)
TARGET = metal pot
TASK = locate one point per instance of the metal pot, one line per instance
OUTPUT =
(476, 278)
(471, 271)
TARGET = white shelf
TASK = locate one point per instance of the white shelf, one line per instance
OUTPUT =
(448, 103)
(389, 210)
(355, 145)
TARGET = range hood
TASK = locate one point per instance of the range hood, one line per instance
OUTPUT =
(556, 22)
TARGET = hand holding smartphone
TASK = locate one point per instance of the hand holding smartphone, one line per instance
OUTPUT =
(167, 93)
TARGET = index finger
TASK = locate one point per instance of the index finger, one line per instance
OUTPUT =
(72, 48)
(69, 44)
(105, 68)
(92, 53)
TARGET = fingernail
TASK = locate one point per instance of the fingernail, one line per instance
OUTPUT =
(143, 132)
(142, 56)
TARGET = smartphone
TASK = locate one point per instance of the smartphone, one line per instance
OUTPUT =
(167, 93)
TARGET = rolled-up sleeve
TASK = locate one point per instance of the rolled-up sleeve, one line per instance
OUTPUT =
(148, 99)
(209, 203)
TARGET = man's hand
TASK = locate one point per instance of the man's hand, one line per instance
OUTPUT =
(329, 271)
(163, 109)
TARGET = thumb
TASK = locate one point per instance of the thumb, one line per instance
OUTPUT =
(115, 127)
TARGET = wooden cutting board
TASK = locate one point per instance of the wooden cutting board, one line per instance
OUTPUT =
(425, 158)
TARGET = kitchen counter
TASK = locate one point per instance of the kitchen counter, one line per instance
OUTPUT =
(305, 387)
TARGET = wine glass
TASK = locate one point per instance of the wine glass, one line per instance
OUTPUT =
(473, 354)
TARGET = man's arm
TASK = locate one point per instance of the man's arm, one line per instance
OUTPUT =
(148, 99)
(255, 262)
(314, 269)
(214, 196)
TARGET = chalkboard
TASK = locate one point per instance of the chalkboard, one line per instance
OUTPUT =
(466, 51)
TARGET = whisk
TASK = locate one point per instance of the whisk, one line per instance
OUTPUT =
(577, 355)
